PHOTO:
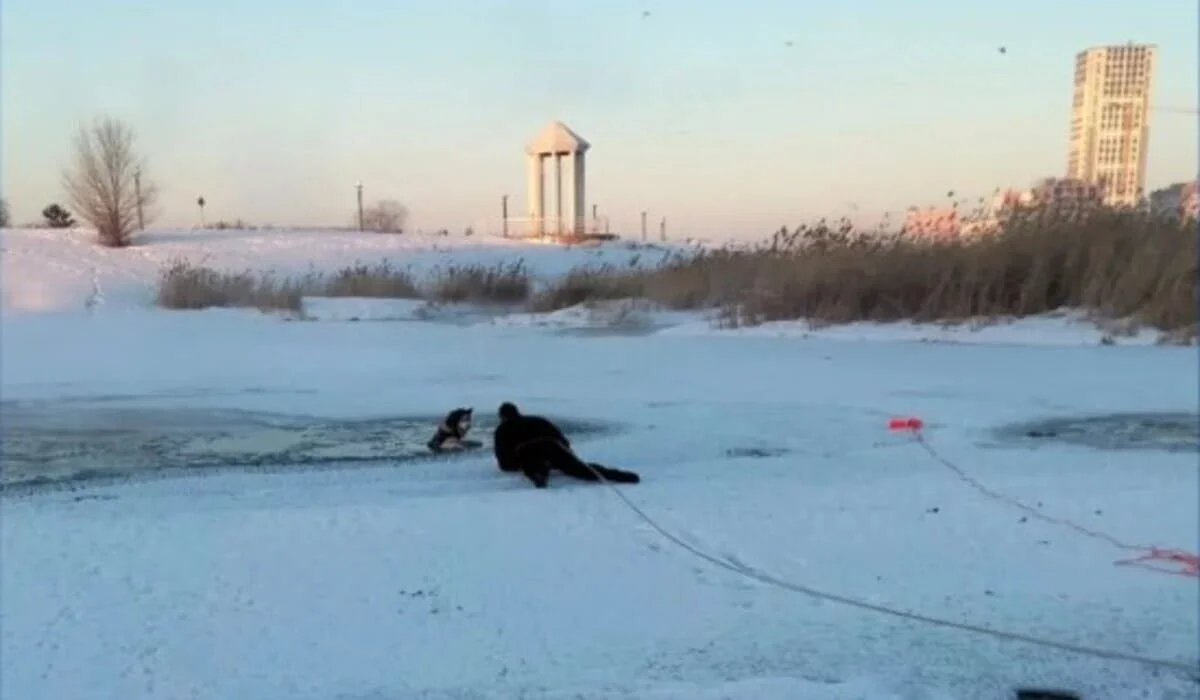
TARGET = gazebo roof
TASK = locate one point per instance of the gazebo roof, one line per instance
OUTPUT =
(556, 138)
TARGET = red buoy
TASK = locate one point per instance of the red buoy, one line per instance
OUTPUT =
(906, 423)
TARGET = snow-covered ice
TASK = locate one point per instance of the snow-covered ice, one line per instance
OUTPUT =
(453, 580)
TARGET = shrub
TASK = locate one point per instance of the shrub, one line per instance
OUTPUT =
(56, 216)
(387, 216)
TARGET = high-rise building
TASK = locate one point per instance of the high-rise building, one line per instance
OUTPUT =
(1110, 120)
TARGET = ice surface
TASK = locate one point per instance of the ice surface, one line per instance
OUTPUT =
(453, 580)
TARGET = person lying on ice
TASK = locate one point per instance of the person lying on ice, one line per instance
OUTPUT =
(535, 446)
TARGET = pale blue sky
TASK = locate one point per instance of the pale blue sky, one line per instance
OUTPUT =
(272, 109)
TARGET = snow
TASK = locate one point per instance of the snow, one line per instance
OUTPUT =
(449, 579)
(628, 316)
(363, 309)
(56, 270)
(1060, 328)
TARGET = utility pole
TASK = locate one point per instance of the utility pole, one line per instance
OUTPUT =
(504, 215)
(643, 227)
(137, 193)
(662, 230)
(359, 187)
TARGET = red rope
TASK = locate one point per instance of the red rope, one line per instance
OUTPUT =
(1169, 561)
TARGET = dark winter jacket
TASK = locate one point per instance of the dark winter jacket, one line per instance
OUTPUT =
(516, 430)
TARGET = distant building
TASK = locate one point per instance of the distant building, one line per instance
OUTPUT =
(1064, 195)
(1009, 199)
(1181, 199)
(1110, 120)
(1054, 194)
(1005, 202)
(1067, 193)
(932, 222)
(995, 212)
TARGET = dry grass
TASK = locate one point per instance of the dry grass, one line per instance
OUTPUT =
(1115, 264)
(504, 283)
(183, 285)
(377, 281)
(584, 284)
(1118, 265)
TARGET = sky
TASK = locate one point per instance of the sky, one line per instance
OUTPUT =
(726, 118)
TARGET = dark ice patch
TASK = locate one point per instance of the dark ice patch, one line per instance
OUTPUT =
(755, 452)
(1171, 432)
(48, 445)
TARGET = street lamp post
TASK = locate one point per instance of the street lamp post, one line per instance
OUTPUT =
(358, 186)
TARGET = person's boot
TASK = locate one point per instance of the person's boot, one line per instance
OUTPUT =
(615, 476)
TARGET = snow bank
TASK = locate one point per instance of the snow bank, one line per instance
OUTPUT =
(362, 309)
(617, 315)
(60, 270)
(772, 688)
(1056, 329)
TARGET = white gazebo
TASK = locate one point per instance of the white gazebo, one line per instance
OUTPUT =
(559, 143)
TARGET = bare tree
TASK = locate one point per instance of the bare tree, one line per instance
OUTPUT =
(387, 216)
(105, 182)
(3, 213)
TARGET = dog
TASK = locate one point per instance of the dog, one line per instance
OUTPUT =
(451, 434)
